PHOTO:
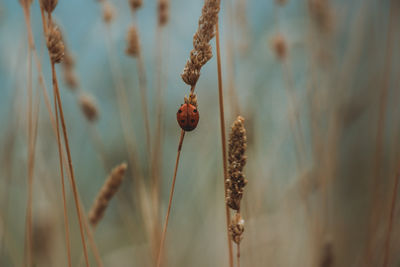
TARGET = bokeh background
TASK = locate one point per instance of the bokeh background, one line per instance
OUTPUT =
(317, 82)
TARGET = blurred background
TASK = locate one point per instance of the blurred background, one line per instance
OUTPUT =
(317, 82)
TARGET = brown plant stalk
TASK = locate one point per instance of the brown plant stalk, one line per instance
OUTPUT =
(223, 141)
(46, 97)
(56, 52)
(171, 194)
(390, 220)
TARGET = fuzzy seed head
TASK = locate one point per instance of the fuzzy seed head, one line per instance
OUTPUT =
(108, 12)
(109, 189)
(49, 5)
(132, 39)
(279, 46)
(89, 107)
(202, 51)
(135, 4)
(236, 228)
(55, 44)
(236, 159)
(163, 15)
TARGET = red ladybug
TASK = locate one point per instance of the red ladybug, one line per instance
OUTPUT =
(187, 117)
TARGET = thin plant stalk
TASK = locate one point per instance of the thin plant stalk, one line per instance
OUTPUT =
(74, 187)
(390, 221)
(30, 165)
(171, 194)
(45, 94)
(60, 154)
(223, 140)
(143, 95)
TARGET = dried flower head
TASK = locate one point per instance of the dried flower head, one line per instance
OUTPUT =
(279, 46)
(236, 228)
(163, 12)
(89, 107)
(108, 12)
(135, 4)
(108, 190)
(202, 51)
(55, 44)
(132, 39)
(236, 180)
(49, 5)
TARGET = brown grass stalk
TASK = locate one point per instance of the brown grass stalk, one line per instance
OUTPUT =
(223, 140)
(390, 220)
(66, 143)
(60, 154)
(45, 94)
(142, 88)
(171, 194)
(30, 155)
(380, 133)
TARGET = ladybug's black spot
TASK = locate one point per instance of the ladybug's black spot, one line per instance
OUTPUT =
(183, 121)
(192, 120)
(180, 111)
(195, 110)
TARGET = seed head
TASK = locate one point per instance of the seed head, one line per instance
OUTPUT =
(135, 4)
(279, 46)
(163, 12)
(132, 39)
(89, 107)
(49, 5)
(55, 44)
(236, 180)
(202, 51)
(108, 12)
(106, 193)
(236, 228)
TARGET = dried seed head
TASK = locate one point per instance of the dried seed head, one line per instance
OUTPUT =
(108, 12)
(132, 39)
(202, 51)
(135, 4)
(236, 228)
(55, 44)
(108, 190)
(163, 12)
(89, 107)
(279, 46)
(236, 180)
(71, 79)
(49, 5)
(321, 13)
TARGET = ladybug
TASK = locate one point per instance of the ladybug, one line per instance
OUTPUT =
(187, 117)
